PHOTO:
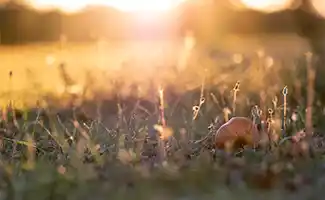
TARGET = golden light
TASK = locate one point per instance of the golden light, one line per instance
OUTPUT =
(123, 5)
(267, 5)
(319, 7)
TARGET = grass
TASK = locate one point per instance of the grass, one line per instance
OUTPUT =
(101, 141)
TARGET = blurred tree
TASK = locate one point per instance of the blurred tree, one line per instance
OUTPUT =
(210, 20)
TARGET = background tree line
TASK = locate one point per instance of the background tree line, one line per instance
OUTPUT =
(19, 24)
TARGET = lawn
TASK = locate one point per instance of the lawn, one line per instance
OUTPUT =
(101, 105)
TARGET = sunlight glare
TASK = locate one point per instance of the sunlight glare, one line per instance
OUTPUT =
(267, 5)
(319, 7)
(123, 5)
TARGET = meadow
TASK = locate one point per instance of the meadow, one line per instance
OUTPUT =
(80, 121)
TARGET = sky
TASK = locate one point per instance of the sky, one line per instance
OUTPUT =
(124, 5)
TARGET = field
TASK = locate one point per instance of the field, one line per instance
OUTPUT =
(92, 134)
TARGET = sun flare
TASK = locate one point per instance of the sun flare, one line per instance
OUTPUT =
(319, 7)
(267, 5)
(123, 5)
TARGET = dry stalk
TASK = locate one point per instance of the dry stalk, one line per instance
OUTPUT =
(284, 117)
(235, 90)
(310, 94)
(161, 145)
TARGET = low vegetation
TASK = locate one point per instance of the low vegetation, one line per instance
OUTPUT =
(159, 141)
